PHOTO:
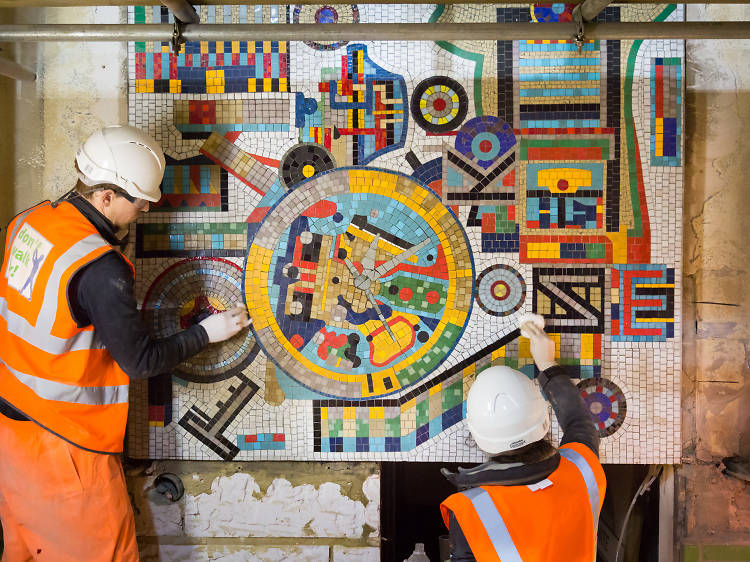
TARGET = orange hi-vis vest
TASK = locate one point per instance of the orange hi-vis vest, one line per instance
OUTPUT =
(552, 521)
(56, 373)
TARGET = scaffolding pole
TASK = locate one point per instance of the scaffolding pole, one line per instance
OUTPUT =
(373, 31)
(12, 69)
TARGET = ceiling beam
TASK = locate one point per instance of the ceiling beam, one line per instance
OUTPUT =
(373, 31)
(80, 3)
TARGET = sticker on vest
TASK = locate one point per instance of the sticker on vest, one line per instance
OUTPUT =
(27, 254)
(540, 485)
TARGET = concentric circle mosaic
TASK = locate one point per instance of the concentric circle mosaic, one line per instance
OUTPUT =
(439, 104)
(184, 294)
(500, 290)
(606, 403)
(324, 13)
(484, 139)
(303, 161)
(359, 282)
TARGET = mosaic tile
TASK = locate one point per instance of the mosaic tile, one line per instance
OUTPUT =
(386, 210)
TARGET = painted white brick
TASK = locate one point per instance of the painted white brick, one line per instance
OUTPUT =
(355, 554)
(234, 508)
(245, 553)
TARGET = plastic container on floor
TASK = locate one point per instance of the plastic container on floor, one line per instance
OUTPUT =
(418, 555)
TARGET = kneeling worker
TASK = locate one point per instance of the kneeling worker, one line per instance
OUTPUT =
(71, 338)
(531, 502)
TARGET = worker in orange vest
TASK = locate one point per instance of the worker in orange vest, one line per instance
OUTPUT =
(71, 338)
(531, 501)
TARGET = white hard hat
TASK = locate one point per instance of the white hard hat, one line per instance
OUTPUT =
(505, 410)
(123, 156)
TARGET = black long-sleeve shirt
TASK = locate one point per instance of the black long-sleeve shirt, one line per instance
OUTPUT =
(102, 294)
(577, 426)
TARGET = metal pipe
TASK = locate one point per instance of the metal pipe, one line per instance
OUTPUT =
(589, 9)
(374, 31)
(182, 11)
(16, 71)
(79, 3)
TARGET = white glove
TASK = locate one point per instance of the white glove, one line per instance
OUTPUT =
(541, 345)
(224, 325)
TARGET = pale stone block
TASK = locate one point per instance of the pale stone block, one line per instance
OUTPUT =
(240, 553)
(355, 554)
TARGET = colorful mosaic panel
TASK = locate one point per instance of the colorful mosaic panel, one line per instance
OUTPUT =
(197, 119)
(565, 197)
(208, 67)
(363, 111)
(643, 302)
(261, 441)
(365, 283)
(192, 185)
(606, 403)
(240, 164)
(388, 213)
(666, 108)
(161, 240)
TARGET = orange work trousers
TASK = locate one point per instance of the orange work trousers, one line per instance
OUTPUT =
(59, 502)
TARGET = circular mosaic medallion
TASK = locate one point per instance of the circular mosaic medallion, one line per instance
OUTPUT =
(500, 290)
(439, 104)
(606, 402)
(550, 13)
(303, 161)
(484, 139)
(184, 294)
(359, 282)
(323, 14)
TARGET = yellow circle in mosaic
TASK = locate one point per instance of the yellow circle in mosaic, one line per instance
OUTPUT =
(308, 170)
(359, 283)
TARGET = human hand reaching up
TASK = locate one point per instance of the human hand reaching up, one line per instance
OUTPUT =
(542, 346)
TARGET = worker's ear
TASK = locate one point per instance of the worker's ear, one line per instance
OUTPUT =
(107, 196)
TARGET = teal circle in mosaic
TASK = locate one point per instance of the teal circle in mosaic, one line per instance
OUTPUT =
(500, 290)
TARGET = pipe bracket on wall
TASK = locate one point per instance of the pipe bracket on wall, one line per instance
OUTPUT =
(177, 38)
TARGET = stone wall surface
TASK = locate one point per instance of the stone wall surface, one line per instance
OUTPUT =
(714, 508)
(259, 511)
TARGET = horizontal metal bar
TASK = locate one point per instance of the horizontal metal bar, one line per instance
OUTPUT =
(14, 70)
(374, 31)
(80, 3)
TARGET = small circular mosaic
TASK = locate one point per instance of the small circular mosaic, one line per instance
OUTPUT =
(484, 139)
(359, 282)
(500, 290)
(184, 294)
(606, 403)
(325, 14)
(303, 161)
(439, 104)
(550, 13)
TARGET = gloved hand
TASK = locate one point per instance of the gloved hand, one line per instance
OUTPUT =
(542, 346)
(224, 325)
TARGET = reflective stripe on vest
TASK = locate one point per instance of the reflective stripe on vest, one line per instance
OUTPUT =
(588, 477)
(493, 524)
(18, 326)
(91, 395)
(48, 312)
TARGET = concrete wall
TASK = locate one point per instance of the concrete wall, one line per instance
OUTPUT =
(711, 507)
